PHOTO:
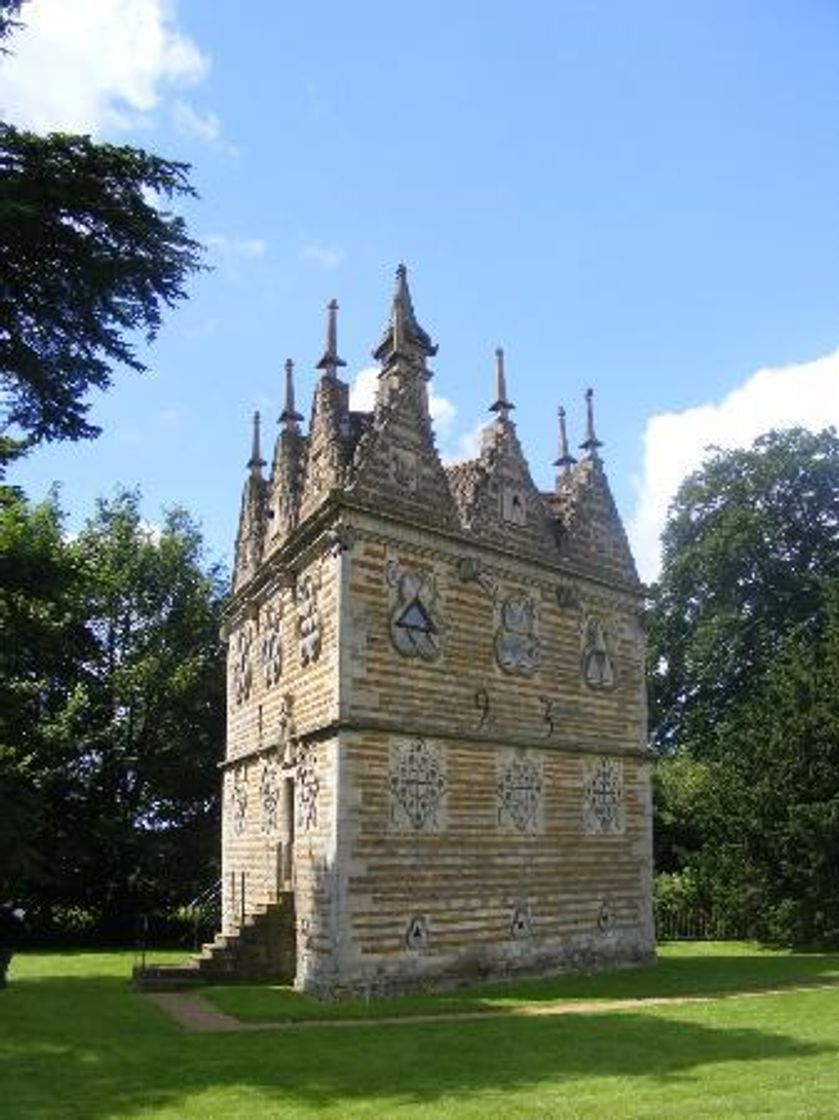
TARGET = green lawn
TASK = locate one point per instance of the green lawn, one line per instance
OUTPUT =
(77, 1043)
(683, 969)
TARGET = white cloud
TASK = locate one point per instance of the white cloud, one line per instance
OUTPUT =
(466, 446)
(675, 443)
(90, 65)
(324, 256)
(363, 398)
(363, 389)
(242, 248)
(190, 122)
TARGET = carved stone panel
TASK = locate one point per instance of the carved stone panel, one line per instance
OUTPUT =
(403, 469)
(416, 935)
(520, 788)
(517, 648)
(239, 800)
(308, 619)
(513, 504)
(414, 626)
(307, 790)
(241, 662)
(521, 923)
(417, 786)
(271, 644)
(269, 795)
(598, 670)
(603, 796)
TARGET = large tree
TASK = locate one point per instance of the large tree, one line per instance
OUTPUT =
(750, 550)
(744, 632)
(89, 257)
(113, 701)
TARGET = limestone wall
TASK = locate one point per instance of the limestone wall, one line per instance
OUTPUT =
(282, 684)
(509, 860)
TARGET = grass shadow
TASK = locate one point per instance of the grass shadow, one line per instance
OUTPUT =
(93, 1049)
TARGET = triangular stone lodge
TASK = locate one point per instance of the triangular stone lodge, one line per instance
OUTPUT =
(436, 766)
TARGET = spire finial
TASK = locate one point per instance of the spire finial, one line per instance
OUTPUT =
(566, 460)
(256, 462)
(591, 443)
(289, 417)
(330, 360)
(502, 406)
(403, 334)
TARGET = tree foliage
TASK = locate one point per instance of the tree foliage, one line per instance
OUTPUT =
(745, 652)
(89, 257)
(113, 701)
(751, 549)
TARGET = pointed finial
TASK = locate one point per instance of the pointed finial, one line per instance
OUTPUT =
(289, 416)
(330, 360)
(502, 406)
(403, 333)
(591, 443)
(256, 462)
(566, 460)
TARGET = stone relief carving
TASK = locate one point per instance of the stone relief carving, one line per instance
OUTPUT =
(285, 731)
(517, 649)
(521, 924)
(239, 800)
(482, 706)
(416, 935)
(605, 917)
(271, 644)
(471, 570)
(242, 668)
(403, 469)
(603, 796)
(520, 787)
(308, 618)
(513, 505)
(269, 795)
(417, 784)
(307, 788)
(598, 671)
(414, 627)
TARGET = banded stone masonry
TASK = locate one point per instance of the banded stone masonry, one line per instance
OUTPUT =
(436, 754)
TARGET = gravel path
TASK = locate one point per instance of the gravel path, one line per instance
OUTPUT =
(196, 1015)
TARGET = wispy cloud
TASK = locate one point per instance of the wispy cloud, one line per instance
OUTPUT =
(675, 443)
(232, 247)
(324, 256)
(95, 64)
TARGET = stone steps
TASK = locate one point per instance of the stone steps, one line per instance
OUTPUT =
(263, 948)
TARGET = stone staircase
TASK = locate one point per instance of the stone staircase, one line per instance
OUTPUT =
(262, 949)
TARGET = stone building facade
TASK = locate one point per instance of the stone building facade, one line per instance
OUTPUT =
(436, 767)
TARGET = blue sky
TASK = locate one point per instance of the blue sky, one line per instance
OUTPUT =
(640, 197)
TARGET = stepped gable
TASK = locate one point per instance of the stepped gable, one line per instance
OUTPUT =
(591, 533)
(396, 468)
(253, 514)
(495, 495)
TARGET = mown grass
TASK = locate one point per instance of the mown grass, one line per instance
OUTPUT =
(76, 1042)
(683, 969)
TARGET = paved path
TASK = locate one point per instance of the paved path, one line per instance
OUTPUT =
(196, 1015)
